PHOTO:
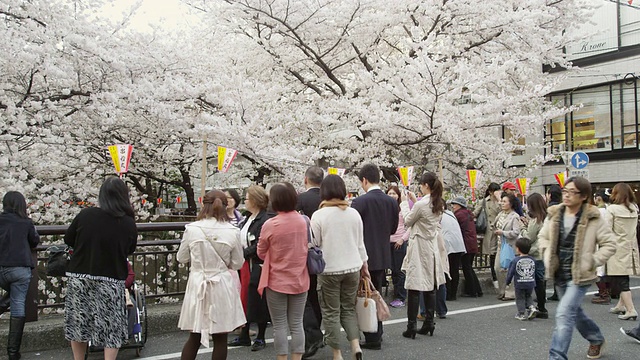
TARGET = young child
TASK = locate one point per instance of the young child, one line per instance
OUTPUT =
(522, 271)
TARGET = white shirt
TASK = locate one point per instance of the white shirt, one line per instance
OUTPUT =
(374, 187)
(245, 230)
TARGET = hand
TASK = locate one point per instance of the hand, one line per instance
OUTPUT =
(398, 244)
(498, 232)
(364, 271)
(403, 195)
(525, 220)
(412, 197)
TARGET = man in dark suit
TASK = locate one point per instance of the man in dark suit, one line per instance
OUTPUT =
(308, 203)
(379, 213)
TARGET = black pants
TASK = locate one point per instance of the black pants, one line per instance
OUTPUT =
(454, 272)
(413, 303)
(377, 278)
(492, 261)
(312, 317)
(471, 282)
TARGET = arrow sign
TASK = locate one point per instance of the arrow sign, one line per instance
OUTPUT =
(580, 160)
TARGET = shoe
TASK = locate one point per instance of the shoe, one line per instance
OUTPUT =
(427, 329)
(521, 317)
(630, 334)
(420, 317)
(553, 297)
(629, 315)
(542, 314)
(371, 345)
(595, 351)
(397, 303)
(480, 294)
(258, 345)
(358, 355)
(618, 310)
(411, 331)
(496, 285)
(239, 342)
(533, 312)
(468, 295)
(504, 298)
(601, 300)
(442, 316)
(313, 349)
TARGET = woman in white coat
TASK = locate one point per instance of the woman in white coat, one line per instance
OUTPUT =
(426, 261)
(212, 303)
(622, 215)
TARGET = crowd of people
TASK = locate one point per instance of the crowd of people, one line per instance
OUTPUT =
(252, 268)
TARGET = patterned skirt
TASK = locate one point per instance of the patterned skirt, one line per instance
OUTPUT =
(95, 311)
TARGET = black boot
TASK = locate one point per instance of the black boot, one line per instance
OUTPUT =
(413, 305)
(429, 325)
(541, 293)
(16, 326)
(5, 301)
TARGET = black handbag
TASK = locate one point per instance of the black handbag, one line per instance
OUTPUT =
(59, 257)
(315, 260)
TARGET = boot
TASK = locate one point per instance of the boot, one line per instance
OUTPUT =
(604, 299)
(429, 325)
(413, 304)
(602, 287)
(16, 327)
(5, 301)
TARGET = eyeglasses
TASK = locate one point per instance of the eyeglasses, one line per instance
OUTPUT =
(570, 192)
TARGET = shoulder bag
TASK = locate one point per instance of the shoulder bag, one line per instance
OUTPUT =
(315, 260)
(59, 257)
(481, 221)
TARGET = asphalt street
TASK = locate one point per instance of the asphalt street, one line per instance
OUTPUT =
(482, 328)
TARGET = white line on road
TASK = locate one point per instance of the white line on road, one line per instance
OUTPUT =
(388, 322)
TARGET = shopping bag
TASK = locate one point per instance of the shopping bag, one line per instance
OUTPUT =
(382, 310)
(506, 254)
(366, 311)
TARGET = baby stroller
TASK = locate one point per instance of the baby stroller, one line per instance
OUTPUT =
(137, 323)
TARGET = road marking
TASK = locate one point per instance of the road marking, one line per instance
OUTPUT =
(388, 322)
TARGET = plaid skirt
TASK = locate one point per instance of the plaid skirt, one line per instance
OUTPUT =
(95, 311)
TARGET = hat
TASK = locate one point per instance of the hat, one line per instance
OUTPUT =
(508, 186)
(460, 201)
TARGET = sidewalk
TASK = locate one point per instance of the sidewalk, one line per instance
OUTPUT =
(48, 332)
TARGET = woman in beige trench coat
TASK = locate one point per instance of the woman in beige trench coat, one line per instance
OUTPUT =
(426, 260)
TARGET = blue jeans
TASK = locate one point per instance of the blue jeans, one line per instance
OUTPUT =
(441, 300)
(15, 280)
(569, 314)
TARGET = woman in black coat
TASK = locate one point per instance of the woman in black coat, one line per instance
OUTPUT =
(17, 237)
(256, 203)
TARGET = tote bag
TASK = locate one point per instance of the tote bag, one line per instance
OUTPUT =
(506, 254)
(366, 311)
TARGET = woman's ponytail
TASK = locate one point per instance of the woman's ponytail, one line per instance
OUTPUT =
(437, 202)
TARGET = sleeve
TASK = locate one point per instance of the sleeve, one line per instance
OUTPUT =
(316, 230)
(33, 237)
(516, 227)
(133, 238)
(265, 240)
(184, 255)
(237, 257)
(410, 216)
(361, 248)
(394, 219)
(72, 232)
(512, 271)
(606, 240)
(357, 204)
(543, 237)
(478, 209)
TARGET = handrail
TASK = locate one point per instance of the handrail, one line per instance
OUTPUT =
(156, 226)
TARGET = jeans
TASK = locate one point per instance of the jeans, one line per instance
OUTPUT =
(441, 300)
(397, 275)
(523, 300)
(569, 314)
(15, 280)
(286, 314)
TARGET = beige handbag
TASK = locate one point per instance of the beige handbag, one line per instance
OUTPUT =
(366, 311)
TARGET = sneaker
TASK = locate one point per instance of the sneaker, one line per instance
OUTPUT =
(521, 317)
(258, 345)
(630, 334)
(397, 303)
(595, 351)
(533, 312)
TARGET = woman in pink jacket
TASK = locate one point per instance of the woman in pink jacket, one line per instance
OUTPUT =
(283, 246)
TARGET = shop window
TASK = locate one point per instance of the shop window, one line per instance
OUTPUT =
(629, 24)
(624, 116)
(591, 124)
(556, 129)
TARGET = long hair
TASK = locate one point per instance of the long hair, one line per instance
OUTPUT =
(114, 197)
(537, 207)
(396, 190)
(437, 202)
(622, 194)
(214, 205)
(493, 187)
(14, 202)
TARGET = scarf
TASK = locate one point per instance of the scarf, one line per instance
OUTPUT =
(342, 204)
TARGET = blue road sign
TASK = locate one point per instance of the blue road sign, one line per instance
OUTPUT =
(580, 160)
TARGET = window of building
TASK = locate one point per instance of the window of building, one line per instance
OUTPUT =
(591, 125)
(556, 129)
(629, 23)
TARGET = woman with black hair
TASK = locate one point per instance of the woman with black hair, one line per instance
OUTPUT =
(426, 262)
(491, 206)
(507, 227)
(233, 201)
(17, 237)
(101, 237)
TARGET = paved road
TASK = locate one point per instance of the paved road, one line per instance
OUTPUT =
(474, 329)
